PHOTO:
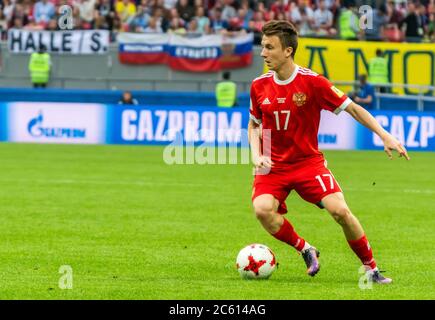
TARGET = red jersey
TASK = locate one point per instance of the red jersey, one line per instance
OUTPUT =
(291, 110)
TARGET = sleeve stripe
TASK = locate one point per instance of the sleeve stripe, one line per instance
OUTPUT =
(343, 106)
(257, 121)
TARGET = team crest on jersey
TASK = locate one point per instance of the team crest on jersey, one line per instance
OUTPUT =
(299, 99)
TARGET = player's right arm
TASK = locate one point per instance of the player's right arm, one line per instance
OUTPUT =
(254, 134)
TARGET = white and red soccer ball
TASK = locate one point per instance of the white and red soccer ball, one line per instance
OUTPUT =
(256, 261)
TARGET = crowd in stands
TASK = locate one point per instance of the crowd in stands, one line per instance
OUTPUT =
(392, 20)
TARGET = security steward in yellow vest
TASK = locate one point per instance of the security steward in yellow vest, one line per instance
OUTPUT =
(378, 71)
(226, 92)
(39, 67)
(348, 24)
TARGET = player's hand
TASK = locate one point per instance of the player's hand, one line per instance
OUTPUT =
(262, 162)
(390, 144)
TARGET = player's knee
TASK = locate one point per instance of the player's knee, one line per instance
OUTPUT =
(341, 214)
(263, 211)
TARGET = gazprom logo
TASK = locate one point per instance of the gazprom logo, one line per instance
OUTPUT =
(37, 130)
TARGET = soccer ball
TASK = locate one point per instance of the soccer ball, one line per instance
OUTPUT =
(256, 261)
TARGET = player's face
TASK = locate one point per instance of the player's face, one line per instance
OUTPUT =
(274, 55)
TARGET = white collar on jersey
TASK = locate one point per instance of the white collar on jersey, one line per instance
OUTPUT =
(283, 82)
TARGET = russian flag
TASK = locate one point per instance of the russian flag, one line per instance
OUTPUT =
(197, 54)
(210, 53)
(236, 51)
(136, 48)
(206, 53)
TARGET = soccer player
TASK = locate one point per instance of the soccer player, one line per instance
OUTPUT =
(284, 115)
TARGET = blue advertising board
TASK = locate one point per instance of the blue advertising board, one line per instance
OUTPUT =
(3, 122)
(415, 130)
(47, 122)
(162, 125)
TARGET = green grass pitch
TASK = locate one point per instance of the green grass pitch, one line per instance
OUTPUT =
(132, 227)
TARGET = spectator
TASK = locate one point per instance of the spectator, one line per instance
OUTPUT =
(39, 67)
(302, 17)
(323, 20)
(378, 70)
(248, 10)
(229, 12)
(153, 27)
(329, 4)
(202, 20)
(226, 92)
(8, 10)
(116, 27)
(424, 18)
(185, 10)
(431, 7)
(412, 24)
(218, 25)
(193, 28)
(101, 23)
(365, 96)
(245, 16)
(348, 23)
(19, 13)
(17, 23)
(394, 15)
(264, 12)
(52, 25)
(280, 6)
(3, 25)
(33, 26)
(43, 11)
(257, 23)
(177, 26)
(87, 12)
(431, 27)
(169, 4)
(140, 21)
(127, 98)
(126, 10)
(379, 22)
(392, 32)
(104, 9)
(161, 20)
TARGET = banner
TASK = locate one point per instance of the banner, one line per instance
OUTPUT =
(133, 49)
(207, 53)
(67, 41)
(415, 130)
(192, 125)
(340, 60)
(56, 122)
(337, 132)
(185, 125)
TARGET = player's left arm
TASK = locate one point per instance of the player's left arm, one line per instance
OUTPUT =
(366, 119)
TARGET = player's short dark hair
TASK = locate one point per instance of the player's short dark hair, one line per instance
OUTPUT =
(285, 31)
(226, 75)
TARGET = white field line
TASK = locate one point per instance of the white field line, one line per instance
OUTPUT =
(189, 184)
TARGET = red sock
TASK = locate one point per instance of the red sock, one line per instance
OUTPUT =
(362, 249)
(288, 235)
